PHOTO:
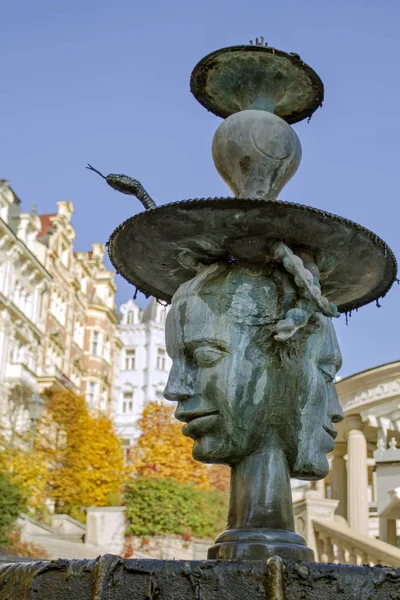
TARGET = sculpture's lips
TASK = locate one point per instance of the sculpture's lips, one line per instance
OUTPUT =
(188, 417)
(331, 432)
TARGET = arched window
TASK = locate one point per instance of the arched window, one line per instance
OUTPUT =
(129, 319)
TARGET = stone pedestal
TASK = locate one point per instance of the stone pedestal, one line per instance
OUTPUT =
(357, 476)
(105, 526)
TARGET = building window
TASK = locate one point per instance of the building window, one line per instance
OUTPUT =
(130, 359)
(16, 354)
(91, 394)
(78, 334)
(159, 395)
(106, 350)
(129, 318)
(127, 405)
(161, 359)
(161, 314)
(103, 400)
(95, 342)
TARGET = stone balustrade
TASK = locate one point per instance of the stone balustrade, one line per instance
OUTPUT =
(338, 543)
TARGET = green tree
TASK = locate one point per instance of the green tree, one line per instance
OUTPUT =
(11, 504)
(162, 506)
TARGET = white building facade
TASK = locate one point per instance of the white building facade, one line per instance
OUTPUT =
(143, 365)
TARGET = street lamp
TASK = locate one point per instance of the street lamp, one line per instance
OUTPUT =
(35, 409)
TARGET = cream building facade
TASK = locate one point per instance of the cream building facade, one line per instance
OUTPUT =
(58, 324)
(81, 342)
(367, 441)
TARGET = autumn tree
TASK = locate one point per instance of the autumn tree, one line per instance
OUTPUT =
(77, 459)
(88, 465)
(163, 452)
(30, 473)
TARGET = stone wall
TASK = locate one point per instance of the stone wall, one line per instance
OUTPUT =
(112, 578)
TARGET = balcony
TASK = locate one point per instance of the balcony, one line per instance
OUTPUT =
(20, 373)
(52, 376)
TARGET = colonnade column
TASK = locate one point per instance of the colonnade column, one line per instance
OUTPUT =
(320, 487)
(339, 479)
(357, 476)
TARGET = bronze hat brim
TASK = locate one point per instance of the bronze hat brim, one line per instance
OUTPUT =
(147, 249)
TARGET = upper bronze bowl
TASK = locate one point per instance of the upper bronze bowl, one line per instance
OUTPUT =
(257, 77)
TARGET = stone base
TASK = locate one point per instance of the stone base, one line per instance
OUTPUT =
(259, 544)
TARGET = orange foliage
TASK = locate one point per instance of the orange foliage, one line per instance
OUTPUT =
(89, 468)
(162, 451)
(77, 459)
(219, 476)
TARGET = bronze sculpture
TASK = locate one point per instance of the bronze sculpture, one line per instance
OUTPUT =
(265, 408)
(254, 283)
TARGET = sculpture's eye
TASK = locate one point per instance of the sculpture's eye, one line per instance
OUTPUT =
(207, 356)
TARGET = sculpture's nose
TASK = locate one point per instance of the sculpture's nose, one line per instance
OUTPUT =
(179, 385)
(336, 413)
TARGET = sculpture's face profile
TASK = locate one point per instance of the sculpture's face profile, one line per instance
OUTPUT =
(233, 396)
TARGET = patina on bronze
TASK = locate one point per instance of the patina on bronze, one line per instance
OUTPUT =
(254, 283)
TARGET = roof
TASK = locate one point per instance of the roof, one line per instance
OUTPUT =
(149, 313)
(369, 370)
(4, 183)
(46, 223)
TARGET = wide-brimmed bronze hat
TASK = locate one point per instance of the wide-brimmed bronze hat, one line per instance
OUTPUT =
(161, 248)
(150, 249)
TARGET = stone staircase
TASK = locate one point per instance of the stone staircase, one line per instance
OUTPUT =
(63, 539)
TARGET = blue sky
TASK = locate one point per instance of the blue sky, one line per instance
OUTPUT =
(108, 83)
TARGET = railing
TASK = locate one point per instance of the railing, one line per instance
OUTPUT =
(338, 543)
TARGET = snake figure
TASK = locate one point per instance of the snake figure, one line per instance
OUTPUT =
(128, 185)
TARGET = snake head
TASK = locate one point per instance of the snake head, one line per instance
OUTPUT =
(125, 184)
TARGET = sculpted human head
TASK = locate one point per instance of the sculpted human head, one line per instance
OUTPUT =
(239, 390)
